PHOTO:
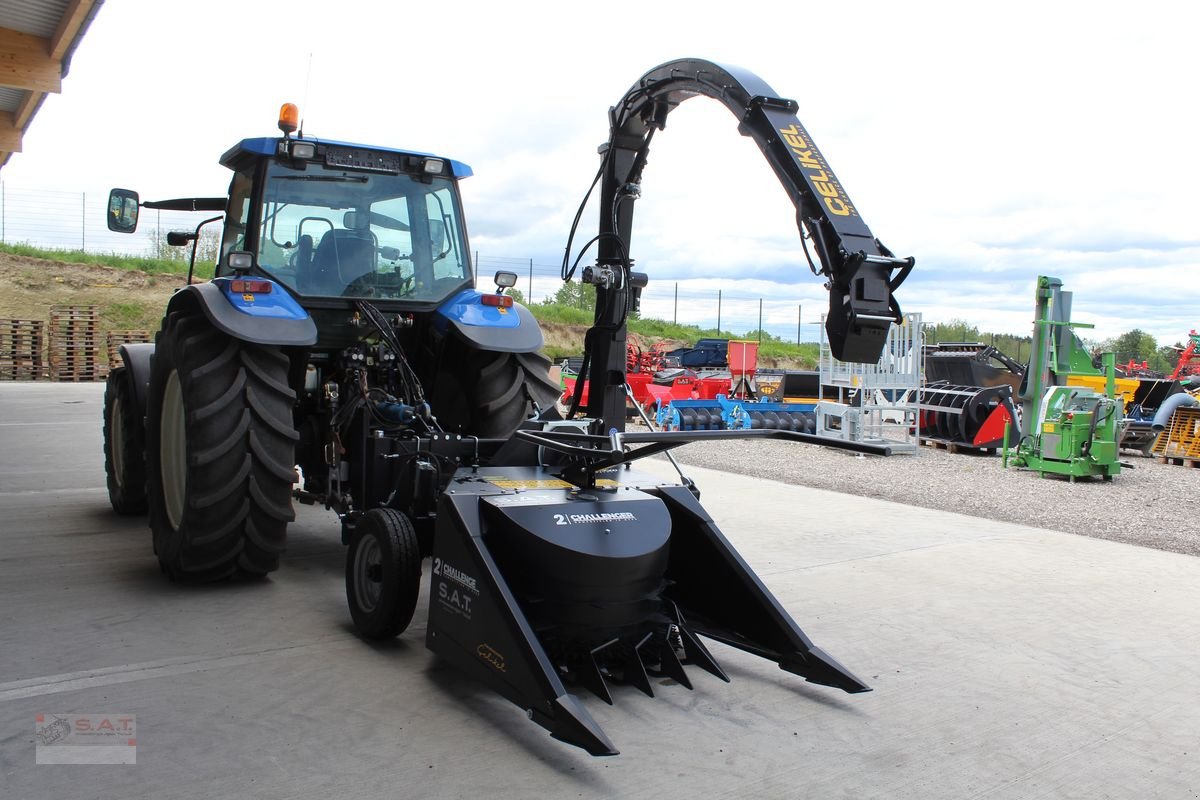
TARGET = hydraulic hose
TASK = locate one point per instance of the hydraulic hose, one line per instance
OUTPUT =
(1163, 416)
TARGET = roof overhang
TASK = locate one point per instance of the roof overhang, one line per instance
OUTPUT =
(37, 39)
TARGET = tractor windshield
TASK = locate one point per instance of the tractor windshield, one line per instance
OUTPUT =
(331, 232)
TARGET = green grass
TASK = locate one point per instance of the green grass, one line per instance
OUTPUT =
(134, 314)
(155, 266)
(769, 347)
(803, 355)
(131, 316)
(563, 315)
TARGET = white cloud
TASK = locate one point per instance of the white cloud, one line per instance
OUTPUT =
(993, 143)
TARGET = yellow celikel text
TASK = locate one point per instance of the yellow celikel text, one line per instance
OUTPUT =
(822, 180)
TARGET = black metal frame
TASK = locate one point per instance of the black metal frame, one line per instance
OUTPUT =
(592, 456)
(862, 273)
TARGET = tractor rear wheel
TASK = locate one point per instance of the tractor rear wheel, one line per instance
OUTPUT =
(219, 452)
(504, 388)
(383, 573)
(124, 458)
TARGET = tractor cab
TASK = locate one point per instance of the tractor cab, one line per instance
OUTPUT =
(336, 220)
(333, 220)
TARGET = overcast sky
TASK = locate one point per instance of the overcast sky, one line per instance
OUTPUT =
(992, 142)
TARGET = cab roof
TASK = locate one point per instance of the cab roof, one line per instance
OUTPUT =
(235, 157)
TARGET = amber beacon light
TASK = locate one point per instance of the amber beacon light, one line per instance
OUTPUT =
(289, 118)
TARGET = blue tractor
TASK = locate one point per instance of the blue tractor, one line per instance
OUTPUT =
(342, 334)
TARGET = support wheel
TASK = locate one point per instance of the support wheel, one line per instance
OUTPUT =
(220, 446)
(383, 573)
(124, 458)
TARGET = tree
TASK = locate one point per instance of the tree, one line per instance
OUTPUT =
(573, 295)
(1167, 357)
(956, 330)
(207, 251)
(516, 295)
(1135, 344)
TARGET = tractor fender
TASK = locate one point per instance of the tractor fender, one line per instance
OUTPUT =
(488, 327)
(264, 318)
(136, 358)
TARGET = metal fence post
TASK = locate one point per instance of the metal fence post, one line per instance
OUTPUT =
(83, 222)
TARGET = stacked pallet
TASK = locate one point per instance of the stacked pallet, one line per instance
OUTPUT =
(22, 343)
(1179, 443)
(75, 343)
(118, 338)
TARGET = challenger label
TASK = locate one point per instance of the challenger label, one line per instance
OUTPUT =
(454, 588)
(607, 516)
(817, 171)
(445, 570)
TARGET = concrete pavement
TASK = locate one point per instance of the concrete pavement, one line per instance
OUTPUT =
(1006, 661)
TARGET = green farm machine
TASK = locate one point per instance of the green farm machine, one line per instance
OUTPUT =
(1066, 429)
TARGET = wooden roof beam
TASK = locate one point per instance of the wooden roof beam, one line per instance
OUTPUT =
(27, 108)
(25, 63)
(68, 28)
(10, 133)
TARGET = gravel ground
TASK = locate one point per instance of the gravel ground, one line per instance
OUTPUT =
(1152, 505)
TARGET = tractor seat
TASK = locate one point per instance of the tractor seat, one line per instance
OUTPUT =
(342, 257)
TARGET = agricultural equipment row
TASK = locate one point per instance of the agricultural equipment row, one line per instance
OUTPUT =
(681, 399)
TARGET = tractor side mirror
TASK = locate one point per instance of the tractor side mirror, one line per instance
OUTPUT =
(122, 210)
(179, 238)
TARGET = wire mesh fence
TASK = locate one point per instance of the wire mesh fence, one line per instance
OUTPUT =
(727, 308)
(61, 220)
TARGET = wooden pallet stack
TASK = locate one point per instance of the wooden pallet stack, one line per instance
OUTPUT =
(118, 338)
(1179, 443)
(22, 344)
(75, 343)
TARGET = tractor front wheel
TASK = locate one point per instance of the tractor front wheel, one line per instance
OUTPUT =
(505, 387)
(383, 573)
(219, 452)
(124, 459)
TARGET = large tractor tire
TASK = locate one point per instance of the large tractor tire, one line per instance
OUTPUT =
(504, 387)
(124, 456)
(383, 573)
(220, 446)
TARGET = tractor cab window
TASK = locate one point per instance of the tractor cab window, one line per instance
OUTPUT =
(329, 232)
(238, 214)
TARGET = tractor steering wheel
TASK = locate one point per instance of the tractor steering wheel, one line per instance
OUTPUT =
(379, 284)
